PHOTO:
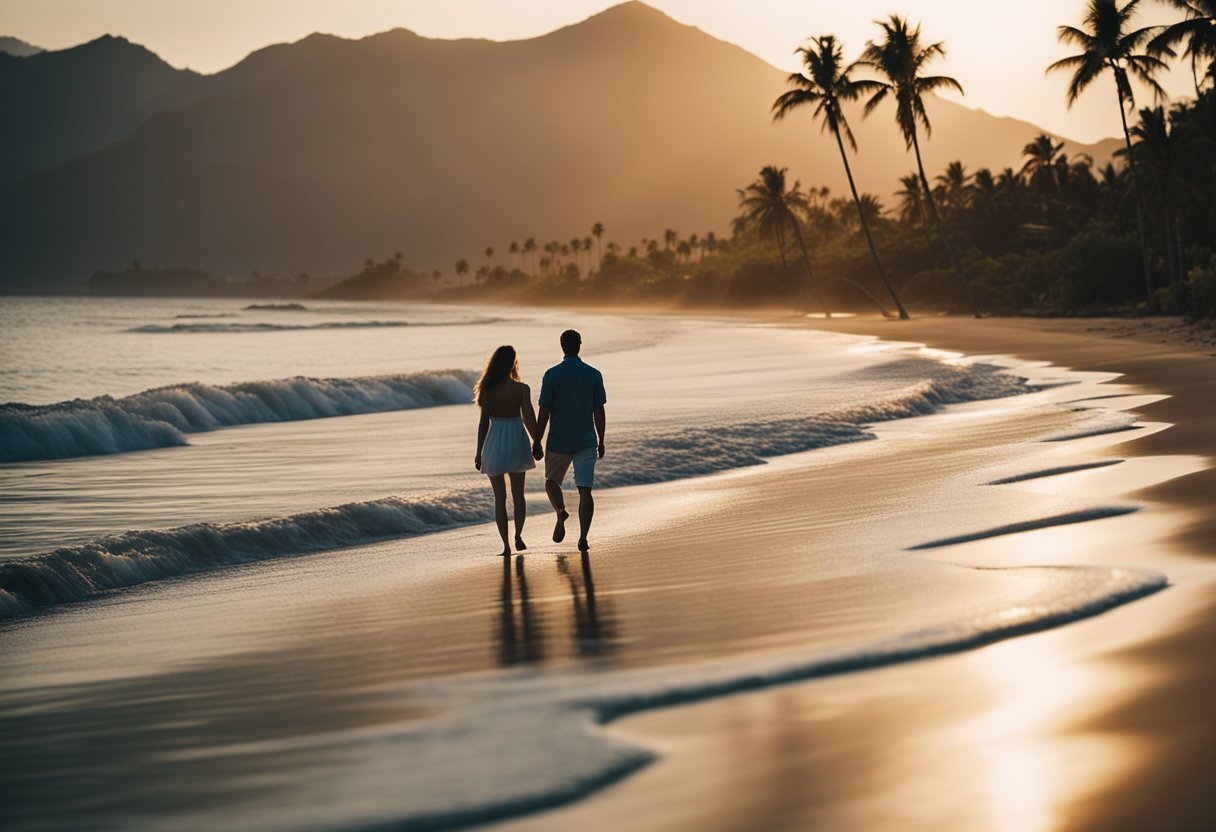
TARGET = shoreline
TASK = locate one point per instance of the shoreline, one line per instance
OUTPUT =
(707, 570)
(1151, 656)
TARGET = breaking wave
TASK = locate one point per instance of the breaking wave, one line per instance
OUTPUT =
(166, 414)
(161, 417)
(136, 557)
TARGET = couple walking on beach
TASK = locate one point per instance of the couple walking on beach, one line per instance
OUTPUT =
(571, 406)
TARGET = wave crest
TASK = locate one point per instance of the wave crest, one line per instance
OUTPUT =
(136, 557)
(160, 418)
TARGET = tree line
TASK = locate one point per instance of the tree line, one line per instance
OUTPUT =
(1052, 233)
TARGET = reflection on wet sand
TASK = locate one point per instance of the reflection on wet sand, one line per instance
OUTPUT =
(520, 638)
(593, 628)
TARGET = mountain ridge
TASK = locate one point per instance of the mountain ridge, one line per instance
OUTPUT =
(315, 154)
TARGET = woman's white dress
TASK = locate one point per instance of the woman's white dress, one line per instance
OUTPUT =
(506, 449)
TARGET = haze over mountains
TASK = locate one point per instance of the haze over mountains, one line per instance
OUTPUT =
(314, 155)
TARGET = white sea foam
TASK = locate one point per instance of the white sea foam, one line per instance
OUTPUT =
(136, 557)
(161, 417)
(165, 415)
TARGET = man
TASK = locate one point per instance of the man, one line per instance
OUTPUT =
(572, 394)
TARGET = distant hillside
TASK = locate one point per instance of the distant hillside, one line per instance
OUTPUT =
(19, 48)
(62, 105)
(308, 156)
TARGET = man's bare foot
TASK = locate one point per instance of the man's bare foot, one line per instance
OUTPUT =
(583, 545)
(519, 544)
(506, 551)
(559, 531)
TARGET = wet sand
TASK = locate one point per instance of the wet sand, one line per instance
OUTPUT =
(1101, 724)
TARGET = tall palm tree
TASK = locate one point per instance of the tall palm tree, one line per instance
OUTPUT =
(823, 84)
(770, 206)
(462, 268)
(530, 248)
(514, 249)
(597, 231)
(1108, 43)
(900, 58)
(1198, 29)
(1168, 155)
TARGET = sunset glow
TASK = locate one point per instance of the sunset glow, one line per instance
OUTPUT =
(998, 52)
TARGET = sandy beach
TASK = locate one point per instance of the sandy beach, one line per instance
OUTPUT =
(1037, 572)
(1101, 724)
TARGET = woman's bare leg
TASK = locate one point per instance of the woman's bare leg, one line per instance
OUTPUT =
(521, 507)
(499, 484)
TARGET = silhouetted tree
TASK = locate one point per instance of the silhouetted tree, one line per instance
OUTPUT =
(823, 84)
(900, 58)
(597, 231)
(770, 207)
(1198, 31)
(1109, 44)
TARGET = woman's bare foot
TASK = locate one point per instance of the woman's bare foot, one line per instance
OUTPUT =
(583, 545)
(519, 544)
(506, 551)
(559, 531)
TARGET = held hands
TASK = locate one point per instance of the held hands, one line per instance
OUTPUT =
(538, 453)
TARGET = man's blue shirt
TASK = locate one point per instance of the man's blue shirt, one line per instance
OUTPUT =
(570, 391)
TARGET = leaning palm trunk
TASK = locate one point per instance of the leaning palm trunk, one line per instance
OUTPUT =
(941, 227)
(874, 298)
(865, 228)
(810, 274)
(1131, 166)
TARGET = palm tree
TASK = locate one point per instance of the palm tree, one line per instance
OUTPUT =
(597, 231)
(530, 248)
(1042, 155)
(953, 186)
(462, 268)
(823, 84)
(514, 249)
(900, 59)
(1167, 155)
(1107, 44)
(911, 199)
(1198, 29)
(770, 206)
(669, 238)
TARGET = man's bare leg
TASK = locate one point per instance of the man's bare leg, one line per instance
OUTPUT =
(558, 501)
(586, 510)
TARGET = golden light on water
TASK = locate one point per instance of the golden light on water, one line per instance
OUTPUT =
(1031, 756)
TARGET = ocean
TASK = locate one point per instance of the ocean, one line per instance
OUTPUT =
(243, 552)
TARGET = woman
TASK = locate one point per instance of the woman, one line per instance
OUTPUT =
(503, 449)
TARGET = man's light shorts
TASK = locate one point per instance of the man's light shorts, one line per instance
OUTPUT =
(557, 464)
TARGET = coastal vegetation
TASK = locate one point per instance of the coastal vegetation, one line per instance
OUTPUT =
(1048, 234)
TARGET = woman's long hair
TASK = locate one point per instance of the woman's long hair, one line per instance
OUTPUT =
(502, 364)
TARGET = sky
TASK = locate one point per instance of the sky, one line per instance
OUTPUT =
(998, 51)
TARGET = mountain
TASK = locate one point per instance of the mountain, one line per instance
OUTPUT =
(61, 105)
(18, 48)
(317, 154)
